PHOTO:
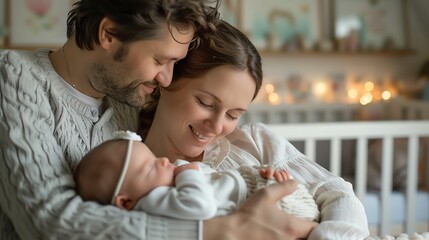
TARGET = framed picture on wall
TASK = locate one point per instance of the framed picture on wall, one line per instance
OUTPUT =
(370, 25)
(36, 23)
(230, 11)
(278, 25)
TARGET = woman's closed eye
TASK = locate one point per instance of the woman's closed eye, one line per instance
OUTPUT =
(233, 114)
(232, 117)
(205, 104)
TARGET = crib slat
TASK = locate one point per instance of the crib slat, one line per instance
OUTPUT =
(335, 156)
(310, 149)
(361, 167)
(412, 175)
(386, 186)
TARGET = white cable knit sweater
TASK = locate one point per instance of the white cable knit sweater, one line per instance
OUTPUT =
(299, 203)
(45, 129)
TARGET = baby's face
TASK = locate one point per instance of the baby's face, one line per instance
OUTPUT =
(146, 172)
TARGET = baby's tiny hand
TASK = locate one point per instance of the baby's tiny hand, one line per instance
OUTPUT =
(181, 168)
(279, 175)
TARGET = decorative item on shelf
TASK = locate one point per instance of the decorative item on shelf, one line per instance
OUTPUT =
(274, 26)
(3, 33)
(349, 42)
(297, 89)
(424, 77)
(338, 87)
(369, 25)
(295, 43)
(326, 45)
(37, 23)
(230, 11)
(415, 87)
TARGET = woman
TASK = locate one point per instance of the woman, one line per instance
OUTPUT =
(195, 118)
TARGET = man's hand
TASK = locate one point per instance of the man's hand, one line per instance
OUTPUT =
(260, 218)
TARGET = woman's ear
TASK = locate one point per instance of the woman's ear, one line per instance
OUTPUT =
(124, 202)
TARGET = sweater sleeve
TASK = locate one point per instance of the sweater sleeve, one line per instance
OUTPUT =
(342, 214)
(192, 198)
(37, 195)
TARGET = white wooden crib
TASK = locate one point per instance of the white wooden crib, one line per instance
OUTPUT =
(390, 211)
(363, 132)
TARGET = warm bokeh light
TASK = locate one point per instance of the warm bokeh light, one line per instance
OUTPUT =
(269, 88)
(376, 95)
(352, 93)
(369, 86)
(320, 88)
(360, 90)
(273, 98)
(365, 99)
(386, 95)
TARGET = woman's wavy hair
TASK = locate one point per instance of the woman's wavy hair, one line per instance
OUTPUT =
(139, 19)
(225, 46)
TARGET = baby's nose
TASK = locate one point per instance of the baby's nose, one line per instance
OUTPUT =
(164, 161)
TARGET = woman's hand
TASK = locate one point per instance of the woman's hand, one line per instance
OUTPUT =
(260, 218)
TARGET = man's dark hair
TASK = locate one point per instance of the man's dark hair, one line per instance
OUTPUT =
(139, 19)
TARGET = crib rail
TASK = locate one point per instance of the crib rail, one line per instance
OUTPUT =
(362, 132)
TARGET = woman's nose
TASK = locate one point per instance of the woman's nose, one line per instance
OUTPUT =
(216, 124)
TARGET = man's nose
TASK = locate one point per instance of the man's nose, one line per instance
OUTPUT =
(165, 76)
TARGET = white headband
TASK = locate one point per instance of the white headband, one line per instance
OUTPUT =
(131, 136)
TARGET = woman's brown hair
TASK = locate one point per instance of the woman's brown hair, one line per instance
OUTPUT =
(225, 46)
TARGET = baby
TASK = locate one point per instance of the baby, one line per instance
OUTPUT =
(125, 173)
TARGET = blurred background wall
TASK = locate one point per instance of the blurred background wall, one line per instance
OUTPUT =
(302, 76)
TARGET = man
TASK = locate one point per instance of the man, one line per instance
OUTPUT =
(57, 105)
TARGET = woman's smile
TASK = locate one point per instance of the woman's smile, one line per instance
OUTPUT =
(198, 134)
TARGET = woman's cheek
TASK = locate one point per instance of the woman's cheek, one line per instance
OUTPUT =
(229, 128)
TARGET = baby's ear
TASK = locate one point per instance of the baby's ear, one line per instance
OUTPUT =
(124, 202)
